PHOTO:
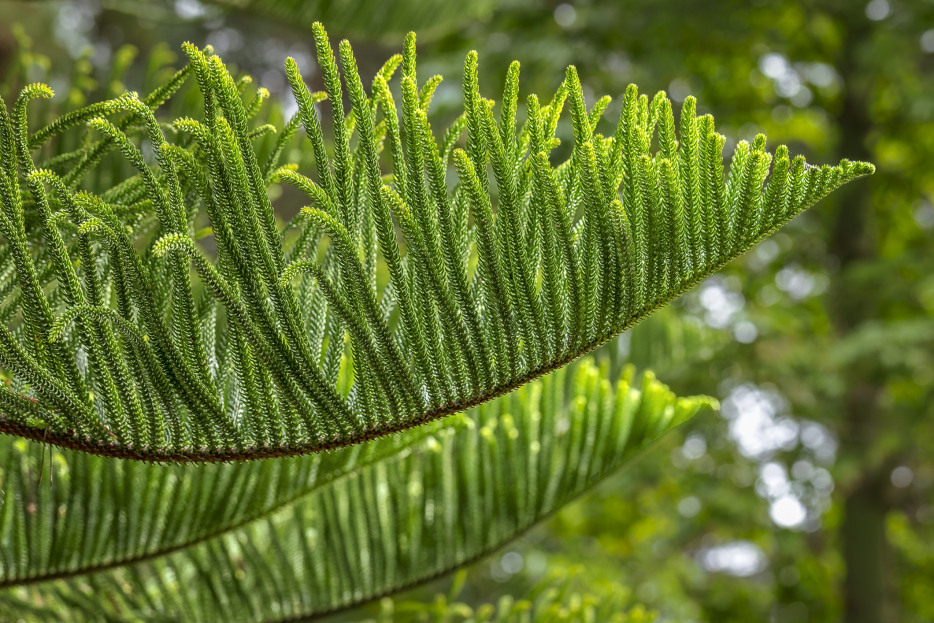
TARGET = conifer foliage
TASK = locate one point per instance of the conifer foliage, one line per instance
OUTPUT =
(281, 341)
(292, 538)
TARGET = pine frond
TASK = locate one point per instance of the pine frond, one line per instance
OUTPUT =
(91, 513)
(321, 533)
(116, 345)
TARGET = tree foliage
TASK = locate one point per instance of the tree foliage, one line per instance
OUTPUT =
(276, 539)
(421, 280)
(115, 348)
(373, 20)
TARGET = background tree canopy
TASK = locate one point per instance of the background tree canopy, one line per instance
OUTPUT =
(810, 496)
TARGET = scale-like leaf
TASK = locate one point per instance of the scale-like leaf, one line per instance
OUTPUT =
(454, 497)
(121, 355)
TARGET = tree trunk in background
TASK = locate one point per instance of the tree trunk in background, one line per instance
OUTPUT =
(864, 551)
(863, 540)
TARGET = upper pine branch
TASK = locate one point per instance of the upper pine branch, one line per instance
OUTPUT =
(114, 347)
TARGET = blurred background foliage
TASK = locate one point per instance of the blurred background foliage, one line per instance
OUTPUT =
(810, 497)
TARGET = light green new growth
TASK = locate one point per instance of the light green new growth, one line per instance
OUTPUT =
(116, 350)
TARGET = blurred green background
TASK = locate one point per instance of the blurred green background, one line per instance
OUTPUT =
(811, 496)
